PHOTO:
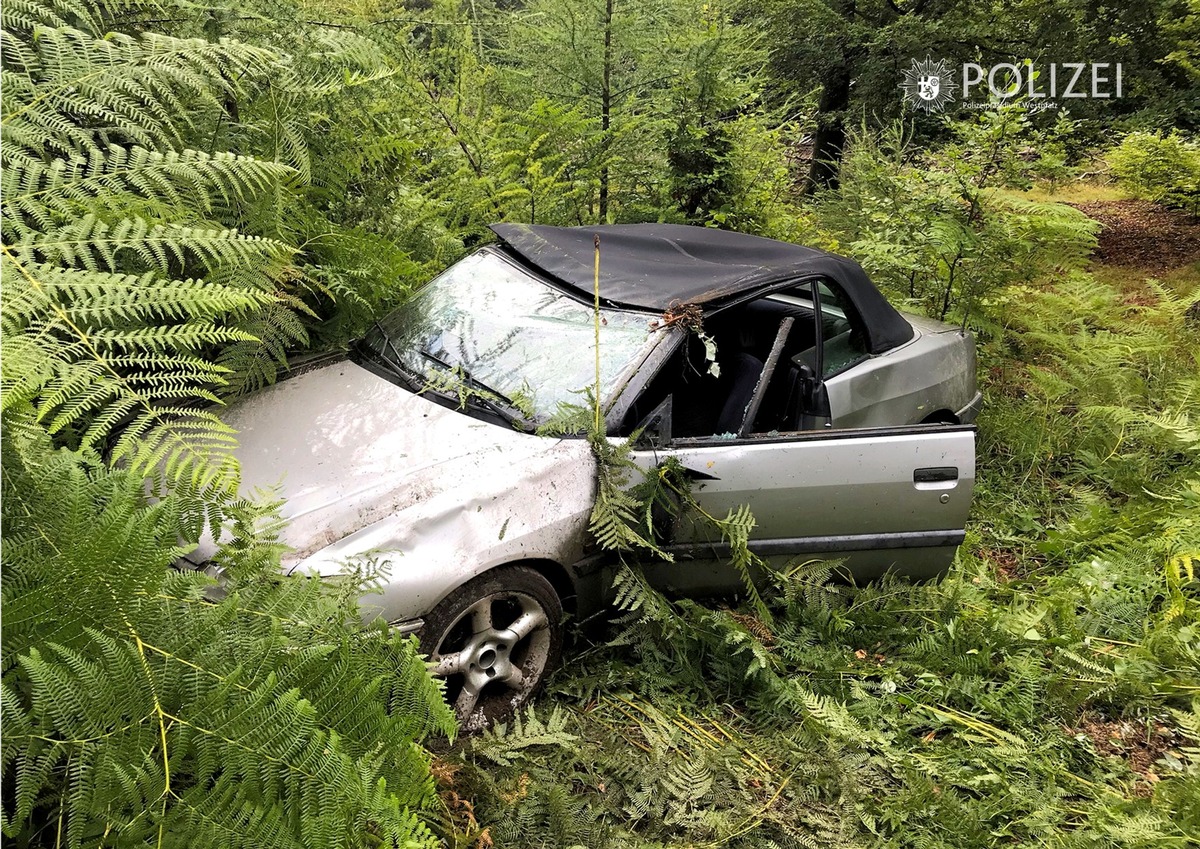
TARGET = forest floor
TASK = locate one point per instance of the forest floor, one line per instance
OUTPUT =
(996, 707)
(1144, 236)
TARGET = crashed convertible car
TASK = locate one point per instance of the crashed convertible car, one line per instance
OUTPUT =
(776, 374)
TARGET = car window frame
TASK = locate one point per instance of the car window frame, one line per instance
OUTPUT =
(818, 305)
(813, 302)
(845, 306)
(643, 371)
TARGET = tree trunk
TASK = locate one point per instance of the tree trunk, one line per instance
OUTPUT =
(606, 109)
(830, 137)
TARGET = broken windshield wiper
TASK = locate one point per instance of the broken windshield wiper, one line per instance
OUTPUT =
(414, 381)
(387, 339)
(410, 377)
(484, 394)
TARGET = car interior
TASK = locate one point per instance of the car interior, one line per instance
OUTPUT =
(702, 404)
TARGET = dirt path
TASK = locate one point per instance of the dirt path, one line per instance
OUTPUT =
(1144, 235)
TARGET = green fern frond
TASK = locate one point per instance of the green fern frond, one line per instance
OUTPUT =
(28, 14)
(124, 312)
(135, 702)
(504, 745)
(38, 193)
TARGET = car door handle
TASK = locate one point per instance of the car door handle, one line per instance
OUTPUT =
(935, 474)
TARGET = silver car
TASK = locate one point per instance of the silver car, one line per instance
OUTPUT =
(777, 375)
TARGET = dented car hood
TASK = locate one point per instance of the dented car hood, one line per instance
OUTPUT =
(355, 455)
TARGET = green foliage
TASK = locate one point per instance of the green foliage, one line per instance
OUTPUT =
(336, 115)
(1097, 384)
(610, 64)
(700, 147)
(193, 192)
(139, 707)
(843, 60)
(1158, 167)
(122, 274)
(621, 521)
(944, 233)
(699, 154)
(957, 714)
(149, 272)
(161, 250)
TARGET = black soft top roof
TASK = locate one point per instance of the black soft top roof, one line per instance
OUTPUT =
(655, 266)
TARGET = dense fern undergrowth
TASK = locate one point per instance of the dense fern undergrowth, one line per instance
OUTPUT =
(192, 193)
(163, 245)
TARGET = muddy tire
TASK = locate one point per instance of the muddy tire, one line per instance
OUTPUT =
(495, 640)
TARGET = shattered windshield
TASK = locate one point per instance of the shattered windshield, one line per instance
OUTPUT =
(488, 323)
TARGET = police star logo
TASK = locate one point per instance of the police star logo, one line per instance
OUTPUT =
(928, 85)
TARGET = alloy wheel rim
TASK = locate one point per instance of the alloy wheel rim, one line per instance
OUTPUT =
(492, 656)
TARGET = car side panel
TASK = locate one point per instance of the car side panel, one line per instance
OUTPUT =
(857, 495)
(934, 372)
(484, 518)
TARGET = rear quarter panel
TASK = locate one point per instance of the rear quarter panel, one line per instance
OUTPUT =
(932, 373)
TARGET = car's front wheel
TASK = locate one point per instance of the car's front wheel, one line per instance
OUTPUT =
(494, 640)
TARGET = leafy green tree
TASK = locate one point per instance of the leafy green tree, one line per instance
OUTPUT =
(650, 81)
(728, 154)
(1160, 168)
(946, 235)
(713, 86)
(847, 57)
(540, 156)
(607, 61)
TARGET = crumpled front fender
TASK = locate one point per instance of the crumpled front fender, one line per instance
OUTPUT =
(479, 518)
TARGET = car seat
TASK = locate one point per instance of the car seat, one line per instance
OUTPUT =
(743, 370)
